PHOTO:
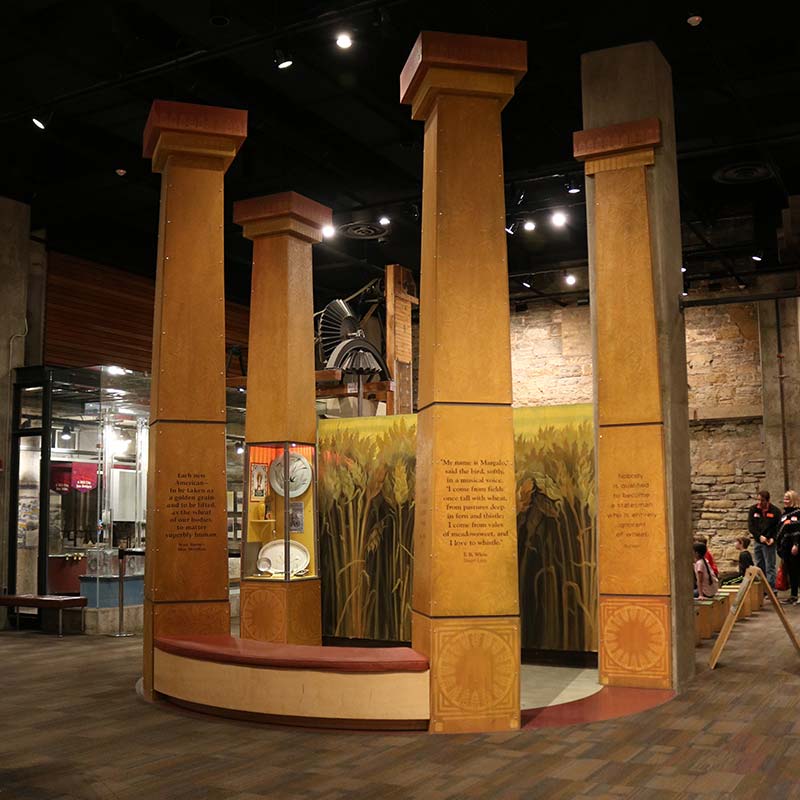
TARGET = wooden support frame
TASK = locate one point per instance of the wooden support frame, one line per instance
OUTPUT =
(737, 608)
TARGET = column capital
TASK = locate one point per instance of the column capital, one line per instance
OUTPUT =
(627, 144)
(208, 133)
(449, 63)
(283, 214)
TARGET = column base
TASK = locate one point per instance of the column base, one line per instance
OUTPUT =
(288, 612)
(475, 665)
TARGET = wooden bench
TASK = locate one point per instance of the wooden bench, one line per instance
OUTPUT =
(57, 601)
(703, 619)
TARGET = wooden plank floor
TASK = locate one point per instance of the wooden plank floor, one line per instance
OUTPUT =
(71, 726)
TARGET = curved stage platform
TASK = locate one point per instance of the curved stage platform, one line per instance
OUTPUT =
(338, 687)
(342, 687)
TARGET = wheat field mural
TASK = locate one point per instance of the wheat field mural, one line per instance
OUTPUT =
(366, 505)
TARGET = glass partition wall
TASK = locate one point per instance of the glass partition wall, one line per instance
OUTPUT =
(79, 469)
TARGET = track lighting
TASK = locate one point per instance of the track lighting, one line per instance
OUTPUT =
(239, 450)
(66, 433)
(42, 121)
(512, 228)
(283, 59)
(529, 225)
(344, 41)
(559, 219)
(572, 188)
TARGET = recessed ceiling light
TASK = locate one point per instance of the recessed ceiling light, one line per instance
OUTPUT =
(121, 171)
(38, 123)
(529, 225)
(282, 59)
(559, 219)
(344, 41)
(384, 220)
(328, 231)
(570, 279)
(694, 20)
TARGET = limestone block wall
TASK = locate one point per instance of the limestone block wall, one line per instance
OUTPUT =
(722, 360)
(728, 469)
(551, 356)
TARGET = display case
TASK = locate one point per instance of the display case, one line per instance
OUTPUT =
(280, 512)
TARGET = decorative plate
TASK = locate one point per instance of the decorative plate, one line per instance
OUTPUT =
(271, 557)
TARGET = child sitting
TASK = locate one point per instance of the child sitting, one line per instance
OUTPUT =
(745, 559)
(706, 582)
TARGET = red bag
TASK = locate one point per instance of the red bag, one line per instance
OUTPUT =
(781, 581)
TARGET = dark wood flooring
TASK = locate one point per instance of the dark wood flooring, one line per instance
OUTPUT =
(71, 726)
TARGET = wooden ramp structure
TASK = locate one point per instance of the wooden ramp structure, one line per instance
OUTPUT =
(741, 607)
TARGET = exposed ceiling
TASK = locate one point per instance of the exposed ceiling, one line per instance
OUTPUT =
(331, 126)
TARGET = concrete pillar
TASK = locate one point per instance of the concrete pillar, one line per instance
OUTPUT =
(14, 257)
(281, 408)
(186, 570)
(37, 300)
(779, 341)
(466, 602)
(644, 510)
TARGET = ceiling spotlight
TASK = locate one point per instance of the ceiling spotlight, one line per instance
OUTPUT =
(570, 279)
(38, 123)
(121, 171)
(512, 228)
(384, 221)
(282, 59)
(66, 433)
(239, 450)
(742, 285)
(328, 231)
(559, 219)
(683, 269)
(573, 188)
(694, 20)
(344, 41)
(529, 225)
(684, 293)
(526, 284)
(756, 257)
(242, 389)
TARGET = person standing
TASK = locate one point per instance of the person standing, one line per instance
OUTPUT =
(788, 542)
(762, 523)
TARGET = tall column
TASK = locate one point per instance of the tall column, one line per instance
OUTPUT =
(14, 266)
(281, 395)
(186, 573)
(641, 425)
(779, 340)
(466, 603)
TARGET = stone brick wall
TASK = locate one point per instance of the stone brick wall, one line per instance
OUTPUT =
(727, 472)
(722, 361)
(551, 356)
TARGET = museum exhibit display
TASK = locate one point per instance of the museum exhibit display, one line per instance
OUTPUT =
(466, 594)
(280, 588)
(186, 570)
(644, 502)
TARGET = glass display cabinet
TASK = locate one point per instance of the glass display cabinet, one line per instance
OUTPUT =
(280, 512)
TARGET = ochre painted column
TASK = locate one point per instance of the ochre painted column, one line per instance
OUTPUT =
(466, 603)
(281, 394)
(644, 524)
(186, 573)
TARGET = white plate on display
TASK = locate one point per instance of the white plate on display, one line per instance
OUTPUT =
(271, 557)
